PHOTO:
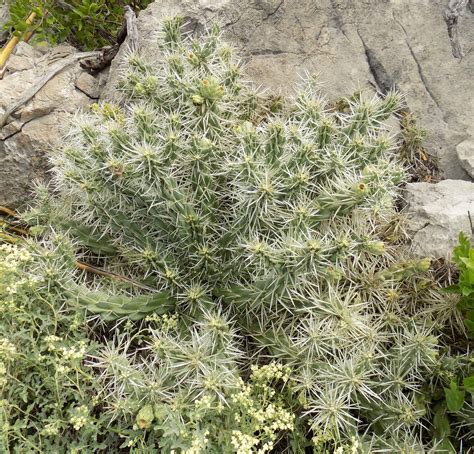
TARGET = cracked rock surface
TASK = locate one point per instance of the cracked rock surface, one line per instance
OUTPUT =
(35, 128)
(436, 213)
(374, 44)
(465, 152)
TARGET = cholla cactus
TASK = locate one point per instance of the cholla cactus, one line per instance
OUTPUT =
(272, 233)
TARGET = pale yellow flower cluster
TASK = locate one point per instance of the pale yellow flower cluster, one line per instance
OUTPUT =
(204, 403)
(320, 439)
(353, 448)
(8, 305)
(50, 429)
(51, 341)
(67, 354)
(198, 444)
(243, 443)
(3, 374)
(12, 256)
(7, 350)
(270, 372)
(166, 322)
(268, 418)
(80, 418)
(7, 354)
(74, 353)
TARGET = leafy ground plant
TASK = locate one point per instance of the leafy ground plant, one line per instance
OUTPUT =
(463, 257)
(452, 398)
(86, 24)
(266, 300)
(46, 390)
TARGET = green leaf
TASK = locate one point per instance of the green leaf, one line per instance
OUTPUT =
(93, 241)
(468, 383)
(441, 423)
(452, 289)
(454, 397)
(466, 302)
(470, 326)
(467, 286)
(445, 447)
(462, 250)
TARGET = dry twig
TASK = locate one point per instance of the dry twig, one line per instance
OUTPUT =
(452, 14)
(36, 87)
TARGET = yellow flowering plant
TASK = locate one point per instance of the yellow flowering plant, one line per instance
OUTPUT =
(46, 391)
(258, 414)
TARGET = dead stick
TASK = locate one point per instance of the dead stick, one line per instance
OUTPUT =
(17, 230)
(9, 212)
(8, 238)
(452, 14)
(27, 36)
(35, 88)
(92, 269)
(132, 29)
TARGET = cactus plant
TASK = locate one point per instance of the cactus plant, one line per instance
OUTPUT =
(273, 232)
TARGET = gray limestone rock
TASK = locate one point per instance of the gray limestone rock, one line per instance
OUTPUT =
(35, 128)
(465, 151)
(24, 157)
(89, 85)
(437, 213)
